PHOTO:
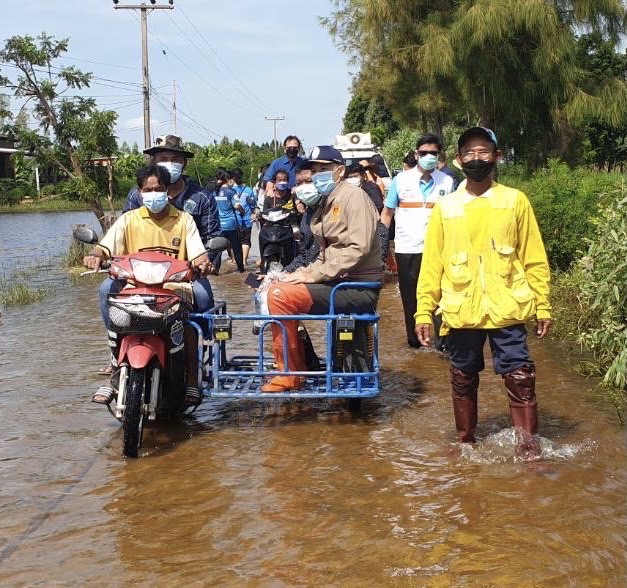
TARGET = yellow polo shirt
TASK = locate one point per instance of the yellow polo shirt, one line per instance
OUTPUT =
(175, 234)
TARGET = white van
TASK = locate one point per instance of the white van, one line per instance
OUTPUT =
(357, 146)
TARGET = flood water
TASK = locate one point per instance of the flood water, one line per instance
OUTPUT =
(291, 493)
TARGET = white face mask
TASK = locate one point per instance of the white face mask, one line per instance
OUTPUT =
(354, 181)
(175, 169)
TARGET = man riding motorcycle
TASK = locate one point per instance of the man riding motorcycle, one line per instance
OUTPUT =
(155, 226)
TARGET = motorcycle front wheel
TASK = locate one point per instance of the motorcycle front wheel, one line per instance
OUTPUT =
(133, 424)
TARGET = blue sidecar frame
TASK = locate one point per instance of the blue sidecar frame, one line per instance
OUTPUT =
(241, 376)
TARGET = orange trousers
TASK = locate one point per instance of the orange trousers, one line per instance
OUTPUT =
(288, 299)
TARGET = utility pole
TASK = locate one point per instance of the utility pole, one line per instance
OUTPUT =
(174, 106)
(144, 8)
(274, 119)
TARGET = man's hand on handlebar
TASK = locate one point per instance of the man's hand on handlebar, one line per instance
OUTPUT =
(202, 265)
(93, 260)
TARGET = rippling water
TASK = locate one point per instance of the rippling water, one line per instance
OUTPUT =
(289, 493)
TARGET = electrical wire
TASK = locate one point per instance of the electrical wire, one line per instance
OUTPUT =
(101, 63)
(210, 62)
(161, 101)
(214, 89)
(265, 107)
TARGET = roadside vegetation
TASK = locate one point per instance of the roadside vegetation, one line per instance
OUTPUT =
(19, 292)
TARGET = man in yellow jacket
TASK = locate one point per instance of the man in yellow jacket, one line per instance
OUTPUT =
(485, 266)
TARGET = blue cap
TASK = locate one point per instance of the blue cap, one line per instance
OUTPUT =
(325, 154)
(476, 132)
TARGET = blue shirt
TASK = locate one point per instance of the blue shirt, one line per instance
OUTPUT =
(193, 200)
(283, 163)
(226, 199)
(246, 197)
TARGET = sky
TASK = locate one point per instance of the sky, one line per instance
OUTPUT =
(234, 62)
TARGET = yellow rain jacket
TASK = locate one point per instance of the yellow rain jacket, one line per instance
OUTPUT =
(484, 262)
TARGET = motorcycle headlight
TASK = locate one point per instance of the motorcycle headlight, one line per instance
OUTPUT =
(150, 272)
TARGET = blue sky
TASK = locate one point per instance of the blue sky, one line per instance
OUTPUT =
(234, 62)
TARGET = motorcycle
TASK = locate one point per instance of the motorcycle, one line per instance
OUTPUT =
(149, 321)
(276, 238)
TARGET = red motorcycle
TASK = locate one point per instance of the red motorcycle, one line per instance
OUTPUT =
(150, 322)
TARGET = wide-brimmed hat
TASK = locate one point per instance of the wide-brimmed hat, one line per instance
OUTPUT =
(169, 143)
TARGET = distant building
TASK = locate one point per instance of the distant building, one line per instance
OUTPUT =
(7, 147)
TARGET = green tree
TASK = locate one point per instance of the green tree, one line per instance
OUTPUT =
(371, 115)
(601, 64)
(70, 129)
(508, 65)
(355, 117)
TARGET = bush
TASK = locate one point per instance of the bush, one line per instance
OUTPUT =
(49, 190)
(12, 191)
(565, 202)
(602, 280)
(122, 186)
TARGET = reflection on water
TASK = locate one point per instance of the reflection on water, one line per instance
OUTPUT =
(297, 494)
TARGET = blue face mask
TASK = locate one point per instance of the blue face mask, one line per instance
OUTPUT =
(307, 194)
(282, 186)
(175, 169)
(155, 202)
(428, 162)
(323, 181)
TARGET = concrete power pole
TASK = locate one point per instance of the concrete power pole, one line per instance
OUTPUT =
(274, 119)
(174, 106)
(144, 8)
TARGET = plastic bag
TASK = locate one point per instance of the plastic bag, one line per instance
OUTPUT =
(261, 294)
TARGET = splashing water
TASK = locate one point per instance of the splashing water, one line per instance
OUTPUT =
(501, 447)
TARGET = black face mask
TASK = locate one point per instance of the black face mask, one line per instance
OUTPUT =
(477, 170)
(292, 152)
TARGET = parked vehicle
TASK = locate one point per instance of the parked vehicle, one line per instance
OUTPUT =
(276, 238)
(358, 146)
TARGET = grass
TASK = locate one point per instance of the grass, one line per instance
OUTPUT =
(19, 293)
(54, 205)
(75, 253)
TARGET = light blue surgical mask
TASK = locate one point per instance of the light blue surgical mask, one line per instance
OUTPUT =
(307, 194)
(174, 168)
(428, 162)
(282, 186)
(155, 202)
(324, 182)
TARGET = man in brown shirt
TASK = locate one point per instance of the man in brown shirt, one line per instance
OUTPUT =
(345, 227)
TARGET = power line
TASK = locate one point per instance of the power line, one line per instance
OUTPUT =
(100, 63)
(214, 89)
(246, 95)
(166, 107)
(227, 67)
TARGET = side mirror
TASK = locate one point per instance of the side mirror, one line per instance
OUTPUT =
(217, 244)
(85, 234)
